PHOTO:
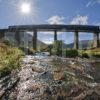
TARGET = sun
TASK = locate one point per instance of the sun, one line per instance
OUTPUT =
(25, 8)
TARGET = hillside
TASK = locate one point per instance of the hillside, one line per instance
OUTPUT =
(25, 41)
(82, 44)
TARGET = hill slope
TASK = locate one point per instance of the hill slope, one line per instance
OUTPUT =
(82, 44)
(25, 40)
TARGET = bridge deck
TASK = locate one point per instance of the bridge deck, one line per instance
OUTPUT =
(63, 28)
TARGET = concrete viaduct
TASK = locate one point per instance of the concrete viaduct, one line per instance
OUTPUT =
(55, 28)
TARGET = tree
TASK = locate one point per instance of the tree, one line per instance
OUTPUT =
(90, 44)
(57, 47)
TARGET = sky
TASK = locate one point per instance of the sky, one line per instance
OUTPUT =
(83, 12)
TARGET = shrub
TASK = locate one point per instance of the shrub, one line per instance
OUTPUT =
(57, 52)
(71, 53)
(9, 59)
(28, 51)
(57, 48)
(7, 42)
(85, 55)
(96, 55)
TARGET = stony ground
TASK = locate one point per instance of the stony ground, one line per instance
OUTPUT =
(53, 78)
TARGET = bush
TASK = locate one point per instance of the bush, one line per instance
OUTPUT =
(57, 52)
(57, 47)
(7, 42)
(71, 53)
(28, 51)
(85, 55)
(96, 55)
(9, 59)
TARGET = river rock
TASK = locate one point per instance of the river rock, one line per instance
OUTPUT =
(37, 69)
(58, 76)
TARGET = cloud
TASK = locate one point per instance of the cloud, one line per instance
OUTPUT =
(52, 33)
(81, 20)
(48, 40)
(97, 24)
(92, 3)
(56, 20)
(49, 32)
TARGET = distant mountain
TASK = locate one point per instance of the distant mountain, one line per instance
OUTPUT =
(41, 45)
(82, 44)
(25, 40)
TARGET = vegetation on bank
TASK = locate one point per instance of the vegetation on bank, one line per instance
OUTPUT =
(57, 49)
(9, 58)
(91, 53)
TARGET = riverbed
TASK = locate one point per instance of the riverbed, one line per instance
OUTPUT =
(54, 78)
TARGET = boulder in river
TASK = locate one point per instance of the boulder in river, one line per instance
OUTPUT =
(58, 75)
(37, 69)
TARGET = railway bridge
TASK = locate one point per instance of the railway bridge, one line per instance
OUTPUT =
(54, 28)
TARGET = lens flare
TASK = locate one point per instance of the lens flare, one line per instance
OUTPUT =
(25, 8)
(23, 11)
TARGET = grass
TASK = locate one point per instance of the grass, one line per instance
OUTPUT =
(9, 58)
(91, 52)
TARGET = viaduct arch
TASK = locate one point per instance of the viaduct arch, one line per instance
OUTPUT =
(55, 28)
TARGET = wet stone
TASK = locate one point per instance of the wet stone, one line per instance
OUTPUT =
(38, 70)
(47, 75)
